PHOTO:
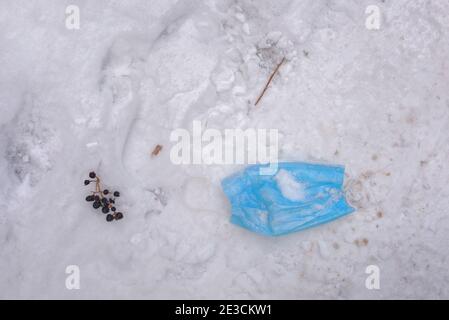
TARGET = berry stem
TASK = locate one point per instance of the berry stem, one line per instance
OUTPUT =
(97, 185)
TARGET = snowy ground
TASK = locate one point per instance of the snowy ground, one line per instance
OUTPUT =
(375, 101)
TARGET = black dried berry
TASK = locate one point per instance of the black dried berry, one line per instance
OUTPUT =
(103, 199)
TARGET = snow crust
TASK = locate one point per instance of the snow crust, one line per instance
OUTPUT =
(289, 186)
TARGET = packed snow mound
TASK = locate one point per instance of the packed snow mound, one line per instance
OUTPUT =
(290, 187)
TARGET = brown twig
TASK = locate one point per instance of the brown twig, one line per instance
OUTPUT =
(156, 150)
(269, 81)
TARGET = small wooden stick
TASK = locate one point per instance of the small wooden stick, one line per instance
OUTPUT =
(269, 81)
(156, 150)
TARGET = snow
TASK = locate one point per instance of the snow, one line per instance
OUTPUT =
(290, 187)
(102, 97)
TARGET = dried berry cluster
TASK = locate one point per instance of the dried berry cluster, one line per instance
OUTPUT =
(103, 199)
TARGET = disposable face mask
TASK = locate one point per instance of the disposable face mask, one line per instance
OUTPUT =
(298, 196)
